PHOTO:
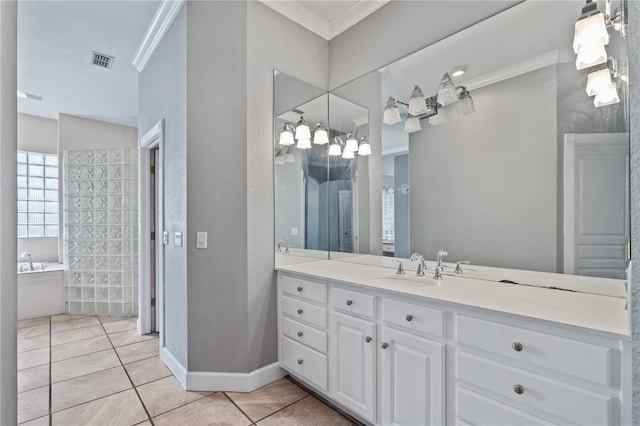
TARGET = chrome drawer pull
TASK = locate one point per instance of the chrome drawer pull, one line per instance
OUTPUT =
(299, 288)
(409, 317)
(517, 346)
(384, 345)
(367, 339)
(299, 333)
(349, 302)
(300, 361)
(299, 311)
(518, 389)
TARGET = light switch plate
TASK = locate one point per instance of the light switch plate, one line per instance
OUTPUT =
(165, 238)
(177, 239)
(294, 231)
(201, 240)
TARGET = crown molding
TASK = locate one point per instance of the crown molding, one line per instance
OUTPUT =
(160, 24)
(353, 15)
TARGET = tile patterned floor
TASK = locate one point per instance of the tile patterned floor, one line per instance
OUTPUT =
(88, 370)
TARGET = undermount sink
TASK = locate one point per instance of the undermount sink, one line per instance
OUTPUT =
(427, 280)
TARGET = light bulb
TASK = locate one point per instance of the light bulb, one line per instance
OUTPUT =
(591, 57)
(304, 144)
(447, 91)
(412, 124)
(391, 113)
(417, 103)
(364, 148)
(590, 32)
(351, 144)
(335, 149)
(348, 155)
(320, 136)
(598, 81)
(302, 130)
(286, 136)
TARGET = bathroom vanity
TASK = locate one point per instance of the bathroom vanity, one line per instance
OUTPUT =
(407, 350)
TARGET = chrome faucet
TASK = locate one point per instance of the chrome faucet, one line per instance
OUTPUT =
(27, 254)
(458, 269)
(279, 247)
(439, 267)
(400, 270)
(422, 267)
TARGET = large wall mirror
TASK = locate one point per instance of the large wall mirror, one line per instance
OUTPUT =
(507, 161)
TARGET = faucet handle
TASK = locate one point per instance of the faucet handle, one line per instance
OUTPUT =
(458, 269)
(400, 270)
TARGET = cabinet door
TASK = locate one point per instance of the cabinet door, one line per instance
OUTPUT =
(412, 379)
(352, 363)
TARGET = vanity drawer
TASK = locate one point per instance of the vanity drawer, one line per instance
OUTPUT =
(305, 362)
(413, 317)
(312, 314)
(304, 334)
(582, 360)
(316, 292)
(479, 410)
(353, 302)
(555, 398)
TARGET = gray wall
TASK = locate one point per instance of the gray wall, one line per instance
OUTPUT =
(162, 94)
(480, 190)
(8, 218)
(401, 206)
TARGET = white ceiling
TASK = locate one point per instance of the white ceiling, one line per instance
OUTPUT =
(326, 18)
(55, 41)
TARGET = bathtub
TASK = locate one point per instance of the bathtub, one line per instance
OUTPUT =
(40, 292)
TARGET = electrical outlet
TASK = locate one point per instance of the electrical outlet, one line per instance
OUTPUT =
(294, 231)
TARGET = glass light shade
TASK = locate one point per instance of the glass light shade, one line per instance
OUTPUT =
(335, 149)
(391, 113)
(289, 157)
(286, 137)
(348, 155)
(351, 144)
(364, 148)
(590, 32)
(447, 91)
(440, 117)
(412, 124)
(465, 104)
(591, 57)
(417, 103)
(320, 136)
(302, 130)
(304, 144)
(598, 82)
(607, 97)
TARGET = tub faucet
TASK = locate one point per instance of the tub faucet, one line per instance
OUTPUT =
(422, 267)
(27, 254)
(439, 267)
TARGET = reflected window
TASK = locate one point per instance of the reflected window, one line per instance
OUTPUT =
(37, 194)
(388, 228)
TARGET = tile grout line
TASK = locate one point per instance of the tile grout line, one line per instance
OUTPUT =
(135, 389)
(236, 405)
(277, 411)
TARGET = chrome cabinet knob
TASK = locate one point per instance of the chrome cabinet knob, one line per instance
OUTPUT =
(518, 389)
(300, 361)
(299, 333)
(367, 339)
(349, 302)
(517, 346)
(384, 345)
(409, 317)
(299, 288)
(299, 311)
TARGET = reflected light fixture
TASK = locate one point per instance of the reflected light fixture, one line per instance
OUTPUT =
(351, 144)
(591, 57)
(391, 112)
(320, 135)
(465, 102)
(364, 148)
(335, 148)
(348, 154)
(609, 96)
(286, 136)
(302, 130)
(598, 81)
(590, 29)
(602, 86)
(412, 124)
(446, 91)
(304, 143)
(417, 102)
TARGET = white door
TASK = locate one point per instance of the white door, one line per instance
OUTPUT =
(352, 363)
(596, 222)
(412, 382)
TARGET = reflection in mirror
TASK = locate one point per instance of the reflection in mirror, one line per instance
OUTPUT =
(300, 164)
(521, 167)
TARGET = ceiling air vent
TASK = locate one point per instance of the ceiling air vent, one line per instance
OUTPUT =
(297, 111)
(102, 60)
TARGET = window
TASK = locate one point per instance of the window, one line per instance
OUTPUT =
(388, 225)
(37, 194)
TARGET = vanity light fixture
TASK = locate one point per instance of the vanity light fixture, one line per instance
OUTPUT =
(598, 81)
(286, 136)
(335, 148)
(304, 143)
(439, 118)
(607, 97)
(348, 154)
(417, 102)
(412, 124)
(302, 130)
(351, 144)
(590, 37)
(391, 112)
(364, 148)
(465, 103)
(446, 91)
(320, 135)
(591, 57)
(601, 85)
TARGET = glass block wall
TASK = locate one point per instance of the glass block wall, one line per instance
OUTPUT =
(101, 232)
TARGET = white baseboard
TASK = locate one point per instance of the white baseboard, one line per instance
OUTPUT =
(175, 366)
(234, 382)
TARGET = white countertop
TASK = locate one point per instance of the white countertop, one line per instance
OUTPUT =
(590, 311)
